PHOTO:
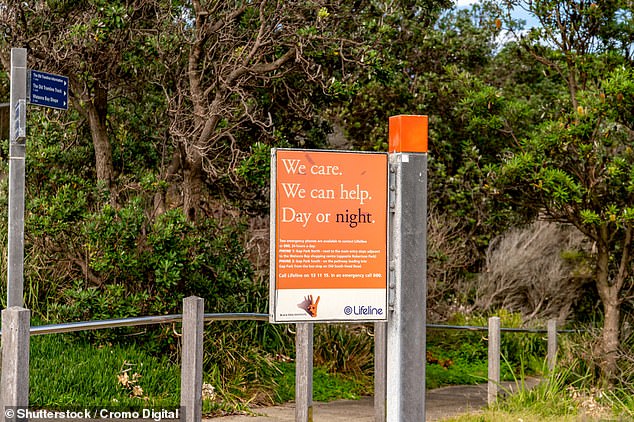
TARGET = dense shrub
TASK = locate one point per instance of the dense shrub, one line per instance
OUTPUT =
(136, 266)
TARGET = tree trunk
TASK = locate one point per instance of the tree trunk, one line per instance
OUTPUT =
(609, 294)
(193, 185)
(610, 336)
(97, 110)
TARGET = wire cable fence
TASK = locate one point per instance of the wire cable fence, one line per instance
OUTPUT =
(508, 329)
(16, 350)
(70, 327)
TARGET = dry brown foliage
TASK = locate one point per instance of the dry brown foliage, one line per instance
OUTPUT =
(538, 270)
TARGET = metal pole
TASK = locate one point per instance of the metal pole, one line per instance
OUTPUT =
(494, 360)
(17, 135)
(15, 361)
(304, 373)
(192, 359)
(408, 285)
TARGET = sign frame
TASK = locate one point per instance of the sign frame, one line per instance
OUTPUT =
(355, 185)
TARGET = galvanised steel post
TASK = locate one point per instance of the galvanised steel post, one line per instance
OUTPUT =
(408, 282)
(17, 135)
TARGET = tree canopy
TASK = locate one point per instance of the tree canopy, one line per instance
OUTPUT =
(575, 167)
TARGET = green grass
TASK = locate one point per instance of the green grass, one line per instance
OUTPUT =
(458, 374)
(326, 386)
(66, 372)
(460, 358)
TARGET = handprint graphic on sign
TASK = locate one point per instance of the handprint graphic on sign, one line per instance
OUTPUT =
(311, 306)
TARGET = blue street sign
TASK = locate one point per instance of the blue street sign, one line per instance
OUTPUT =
(48, 90)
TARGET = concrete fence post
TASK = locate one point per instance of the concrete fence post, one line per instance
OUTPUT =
(551, 357)
(494, 360)
(16, 322)
(304, 372)
(192, 359)
(380, 370)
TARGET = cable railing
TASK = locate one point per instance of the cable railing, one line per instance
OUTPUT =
(193, 319)
(507, 329)
(70, 327)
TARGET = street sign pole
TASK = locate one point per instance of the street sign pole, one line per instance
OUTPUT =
(17, 137)
(405, 389)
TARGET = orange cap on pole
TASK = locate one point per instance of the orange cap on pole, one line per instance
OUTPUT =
(408, 133)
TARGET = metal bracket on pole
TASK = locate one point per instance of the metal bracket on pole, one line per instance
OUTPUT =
(406, 335)
(17, 135)
(19, 121)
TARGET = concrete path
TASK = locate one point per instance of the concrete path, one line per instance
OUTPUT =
(440, 403)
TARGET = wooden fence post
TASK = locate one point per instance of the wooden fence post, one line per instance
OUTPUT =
(380, 370)
(16, 324)
(552, 344)
(304, 373)
(494, 360)
(192, 359)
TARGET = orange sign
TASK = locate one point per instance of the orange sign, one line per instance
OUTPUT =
(329, 222)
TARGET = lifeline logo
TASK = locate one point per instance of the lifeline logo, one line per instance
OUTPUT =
(362, 310)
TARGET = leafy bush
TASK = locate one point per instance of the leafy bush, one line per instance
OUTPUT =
(108, 262)
(136, 266)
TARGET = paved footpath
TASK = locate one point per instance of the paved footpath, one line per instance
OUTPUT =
(440, 403)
